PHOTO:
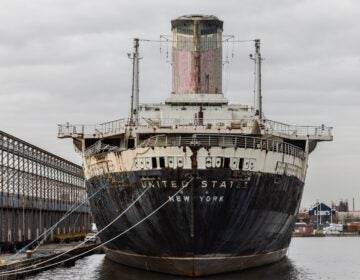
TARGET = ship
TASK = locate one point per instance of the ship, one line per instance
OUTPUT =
(220, 183)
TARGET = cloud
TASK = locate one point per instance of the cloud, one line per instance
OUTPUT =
(67, 61)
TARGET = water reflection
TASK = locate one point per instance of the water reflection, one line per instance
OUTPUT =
(283, 270)
(308, 259)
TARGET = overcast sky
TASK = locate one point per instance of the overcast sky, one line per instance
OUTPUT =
(66, 60)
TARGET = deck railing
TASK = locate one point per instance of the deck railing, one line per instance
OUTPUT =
(287, 129)
(223, 141)
(112, 127)
(99, 147)
(271, 127)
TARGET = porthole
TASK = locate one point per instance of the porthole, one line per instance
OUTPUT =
(234, 163)
(180, 162)
(208, 162)
(218, 162)
(170, 162)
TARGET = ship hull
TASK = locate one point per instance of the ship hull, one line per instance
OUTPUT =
(194, 266)
(213, 221)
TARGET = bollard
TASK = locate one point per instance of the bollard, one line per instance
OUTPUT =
(29, 254)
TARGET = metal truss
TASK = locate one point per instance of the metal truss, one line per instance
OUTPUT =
(36, 189)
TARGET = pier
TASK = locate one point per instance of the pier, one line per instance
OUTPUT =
(36, 189)
(46, 257)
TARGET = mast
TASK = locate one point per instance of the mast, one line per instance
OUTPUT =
(258, 98)
(134, 106)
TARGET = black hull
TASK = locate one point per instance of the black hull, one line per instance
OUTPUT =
(225, 219)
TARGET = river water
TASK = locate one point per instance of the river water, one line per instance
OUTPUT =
(308, 258)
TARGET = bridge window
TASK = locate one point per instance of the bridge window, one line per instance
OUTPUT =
(131, 143)
(241, 163)
(154, 162)
(162, 162)
(226, 162)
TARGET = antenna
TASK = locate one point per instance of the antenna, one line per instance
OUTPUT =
(258, 98)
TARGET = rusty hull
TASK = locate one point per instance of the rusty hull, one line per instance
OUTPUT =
(194, 266)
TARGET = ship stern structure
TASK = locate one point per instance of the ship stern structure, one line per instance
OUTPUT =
(195, 186)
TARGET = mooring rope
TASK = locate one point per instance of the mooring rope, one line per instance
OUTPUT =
(66, 215)
(23, 270)
(50, 229)
(82, 243)
(61, 242)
